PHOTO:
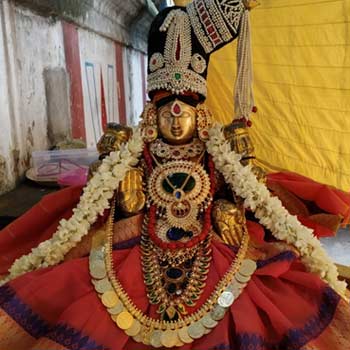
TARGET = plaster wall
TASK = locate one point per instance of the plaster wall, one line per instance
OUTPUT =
(35, 89)
(134, 77)
(29, 45)
(6, 138)
(39, 47)
(98, 56)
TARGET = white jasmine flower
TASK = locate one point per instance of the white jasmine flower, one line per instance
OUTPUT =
(270, 211)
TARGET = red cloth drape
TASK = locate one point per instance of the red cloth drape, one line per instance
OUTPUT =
(36, 225)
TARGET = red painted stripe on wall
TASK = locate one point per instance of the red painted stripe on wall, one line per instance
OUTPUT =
(72, 53)
(120, 84)
(103, 105)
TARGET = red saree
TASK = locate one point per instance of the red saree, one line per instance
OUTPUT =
(282, 307)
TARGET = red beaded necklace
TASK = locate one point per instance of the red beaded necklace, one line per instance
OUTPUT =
(153, 212)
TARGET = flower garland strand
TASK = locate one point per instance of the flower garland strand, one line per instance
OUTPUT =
(270, 211)
(93, 202)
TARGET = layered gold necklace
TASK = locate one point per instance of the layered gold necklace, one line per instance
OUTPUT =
(177, 279)
(158, 332)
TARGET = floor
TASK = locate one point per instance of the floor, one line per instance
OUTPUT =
(18, 201)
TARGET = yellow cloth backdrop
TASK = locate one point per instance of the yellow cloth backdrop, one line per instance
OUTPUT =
(301, 54)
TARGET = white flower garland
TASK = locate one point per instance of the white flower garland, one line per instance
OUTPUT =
(95, 199)
(93, 202)
(270, 211)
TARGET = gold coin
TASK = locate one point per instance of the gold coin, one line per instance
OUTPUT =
(169, 338)
(102, 286)
(134, 329)
(235, 288)
(207, 331)
(196, 330)
(109, 299)
(184, 336)
(117, 309)
(226, 299)
(179, 342)
(248, 267)
(97, 269)
(97, 255)
(124, 320)
(155, 339)
(241, 279)
(208, 322)
(146, 336)
(218, 313)
(137, 338)
(241, 286)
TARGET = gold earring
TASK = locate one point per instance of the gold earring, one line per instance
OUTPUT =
(149, 124)
(204, 121)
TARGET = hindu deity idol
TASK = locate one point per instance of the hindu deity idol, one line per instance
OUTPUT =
(176, 242)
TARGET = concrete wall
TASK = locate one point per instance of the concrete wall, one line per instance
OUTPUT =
(50, 85)
(6, 138)
(30, 44)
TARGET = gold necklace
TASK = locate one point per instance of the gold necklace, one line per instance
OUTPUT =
(155, 332)
(165, 151)
(171, 292)
(188, 175)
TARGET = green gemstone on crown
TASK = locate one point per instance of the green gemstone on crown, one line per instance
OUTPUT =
(177, 76)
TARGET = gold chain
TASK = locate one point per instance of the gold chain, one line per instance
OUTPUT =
(220, 287)
(156, 332)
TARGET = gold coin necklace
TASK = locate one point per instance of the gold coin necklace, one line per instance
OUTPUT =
(155, 332)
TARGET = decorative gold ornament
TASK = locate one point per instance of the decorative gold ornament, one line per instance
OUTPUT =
(176, 333)
(180, 189)
(177, 152)
(204, 121)
(114, 136)
(175, 75)
(156, 61)
(183, 331)
(229, 221)
(149, 125)
(198, 63)
(130, 195)
(176, 278)
(238, 136)
(214, 21)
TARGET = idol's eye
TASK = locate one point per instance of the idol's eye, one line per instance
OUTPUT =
(185, 115)
(165, 114)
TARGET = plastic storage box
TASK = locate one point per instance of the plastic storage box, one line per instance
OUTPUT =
(54, 164)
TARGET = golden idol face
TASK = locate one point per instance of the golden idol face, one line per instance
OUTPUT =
(177, 122)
